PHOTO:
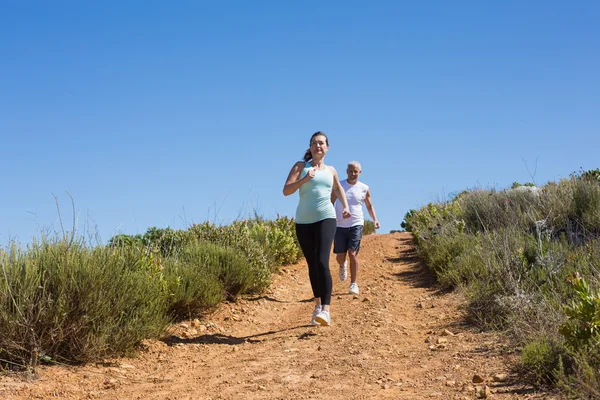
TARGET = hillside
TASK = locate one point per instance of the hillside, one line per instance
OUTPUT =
(401, 338)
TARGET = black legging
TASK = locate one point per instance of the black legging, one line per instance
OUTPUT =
(315, 241)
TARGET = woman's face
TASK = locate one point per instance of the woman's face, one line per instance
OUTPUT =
(318, 145)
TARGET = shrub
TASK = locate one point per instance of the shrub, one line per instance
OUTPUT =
(543, 359)
(510, 252)
(278, 237)
(237, 235)
(582, 329)
(68, 302)
(368, 227)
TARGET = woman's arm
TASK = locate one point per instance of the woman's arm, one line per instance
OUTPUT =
(340, 193)
(294, 181)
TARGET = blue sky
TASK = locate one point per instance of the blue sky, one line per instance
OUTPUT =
(155, 113)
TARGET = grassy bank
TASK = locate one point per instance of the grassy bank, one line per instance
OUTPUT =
(62, 300)
(528, 261)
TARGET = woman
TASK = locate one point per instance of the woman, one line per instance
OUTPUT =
(315, 218)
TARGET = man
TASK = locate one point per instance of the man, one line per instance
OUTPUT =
(349, 231)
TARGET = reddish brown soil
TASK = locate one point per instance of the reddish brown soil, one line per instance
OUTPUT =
(401, 338)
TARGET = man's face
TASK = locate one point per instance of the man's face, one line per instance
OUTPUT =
(353, 173)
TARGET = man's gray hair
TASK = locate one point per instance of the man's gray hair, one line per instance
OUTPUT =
(354, 164)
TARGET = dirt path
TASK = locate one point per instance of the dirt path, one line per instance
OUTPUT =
(399, 339)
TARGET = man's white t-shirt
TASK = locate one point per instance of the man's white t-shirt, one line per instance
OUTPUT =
(355, 194)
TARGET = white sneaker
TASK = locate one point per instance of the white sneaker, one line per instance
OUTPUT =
(316, 312)
(344, 271)
(353, 288)
(323, 318)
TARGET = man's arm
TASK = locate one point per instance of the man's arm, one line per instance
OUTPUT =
(371, 209)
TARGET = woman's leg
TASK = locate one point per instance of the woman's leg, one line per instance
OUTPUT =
(324, 237)
(307, 239)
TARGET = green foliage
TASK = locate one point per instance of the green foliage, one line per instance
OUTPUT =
(201, 276)
(589, 175)
(517, 184)
(543, 360)
(278, 237)
(237, 235)
(510, 253)
(582, 328)
(71, 303)
(406, 224)
(368, 227)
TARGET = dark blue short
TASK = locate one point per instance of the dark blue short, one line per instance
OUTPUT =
(347, 239)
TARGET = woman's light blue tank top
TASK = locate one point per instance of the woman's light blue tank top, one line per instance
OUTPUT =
(315, 197)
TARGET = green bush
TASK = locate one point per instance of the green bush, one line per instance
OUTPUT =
(582, 329)
(278, 237)
(510, 253)
(71, 303)
(368, 227)
(193, 288)
(543, 359)
(237, 235)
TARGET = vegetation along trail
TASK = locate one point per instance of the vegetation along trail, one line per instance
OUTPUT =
(401, 338)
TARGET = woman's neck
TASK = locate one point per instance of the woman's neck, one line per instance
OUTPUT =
(318, 164)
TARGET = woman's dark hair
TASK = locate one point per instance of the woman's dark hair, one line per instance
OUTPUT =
(308, 154)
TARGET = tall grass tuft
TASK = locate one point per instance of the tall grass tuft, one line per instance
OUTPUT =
(66, 302)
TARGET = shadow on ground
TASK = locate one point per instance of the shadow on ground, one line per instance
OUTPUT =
(218, 338)
(268, 298)
(416, 274)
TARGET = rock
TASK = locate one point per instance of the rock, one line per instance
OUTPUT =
(483, 392)
(355, 297)
(366, 300)
(196, 323)
(441, 340)
(427, 339)
(184, 325)
(468, 388)
(111, 383)
(477, 379)
(451, 383)
(446, 332)
(202, 328)
(499, 378)
(193, 332)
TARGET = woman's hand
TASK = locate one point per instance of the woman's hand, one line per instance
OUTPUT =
(346, 213)
(293, 181)
(310, 174)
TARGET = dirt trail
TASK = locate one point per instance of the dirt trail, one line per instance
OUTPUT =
(399, 339)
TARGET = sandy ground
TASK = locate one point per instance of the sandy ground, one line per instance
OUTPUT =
(401, 338)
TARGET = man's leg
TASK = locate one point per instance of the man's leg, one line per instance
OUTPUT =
(353, 256)
(355, 237)
(340, 246)
(340, 258)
